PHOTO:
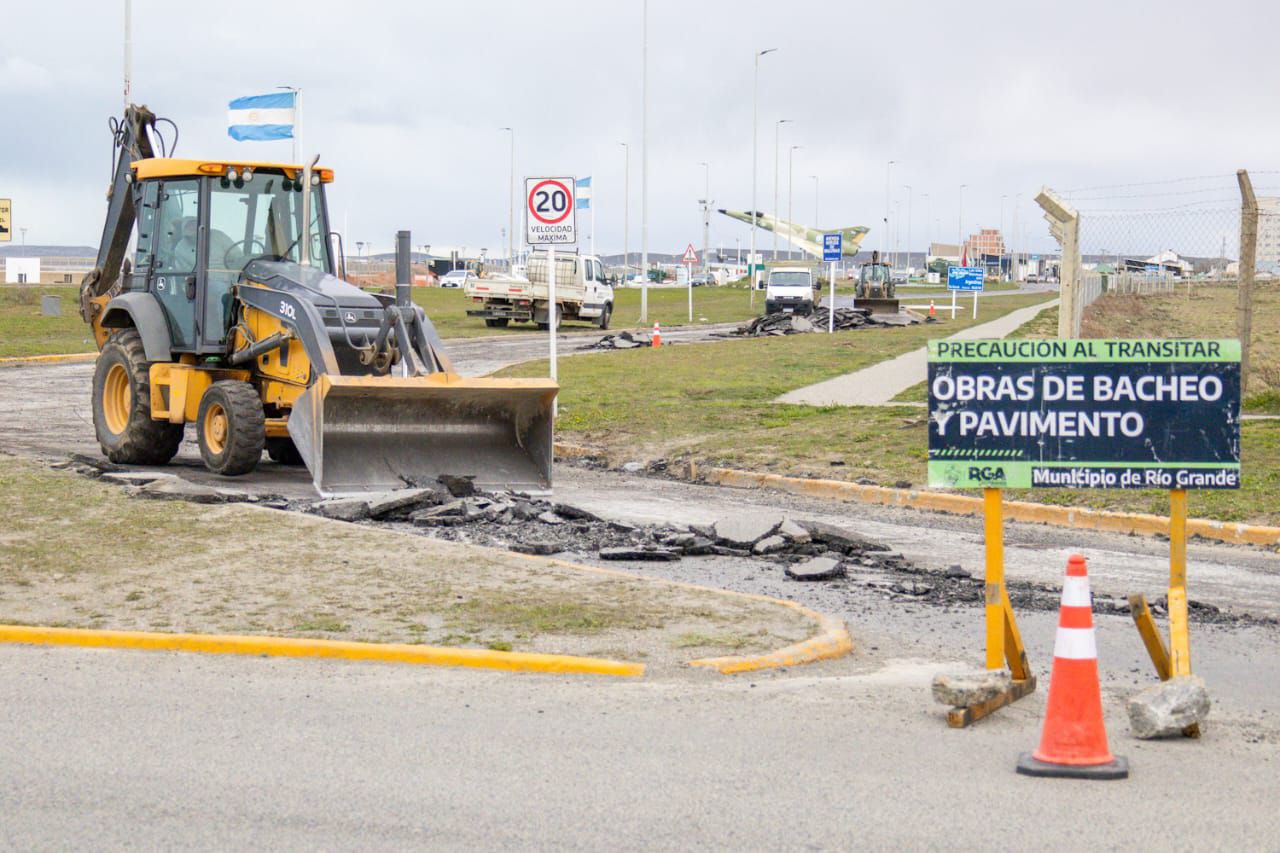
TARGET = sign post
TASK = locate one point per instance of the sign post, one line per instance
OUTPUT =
(832, 249)
(690, 259)
(1085, 414)
(552, 219)
(965, 278)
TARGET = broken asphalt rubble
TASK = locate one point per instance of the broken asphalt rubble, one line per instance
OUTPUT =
(845, 319)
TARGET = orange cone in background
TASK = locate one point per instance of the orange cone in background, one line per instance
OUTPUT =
(932, 313)
(657, 335)
(1074, 742)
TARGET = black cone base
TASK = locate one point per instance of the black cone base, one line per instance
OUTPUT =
(1029, 765)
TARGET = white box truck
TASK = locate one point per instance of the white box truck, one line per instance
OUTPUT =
(582, 293)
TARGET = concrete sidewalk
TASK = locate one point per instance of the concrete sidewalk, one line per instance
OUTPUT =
(878, 384)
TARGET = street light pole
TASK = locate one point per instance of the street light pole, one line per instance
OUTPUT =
(626, 209)
(928, 226)
(706, 216)
(511, 203)
(128, 53)
(908, 188)
(887, 170)
(777, 135)
(815, 200)
(644, 165)
(960, 223)
(1002, 242)
(791, 171)
(755, 169)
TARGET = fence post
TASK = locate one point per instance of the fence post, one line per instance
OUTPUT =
(1064, 223)
(1248, 258)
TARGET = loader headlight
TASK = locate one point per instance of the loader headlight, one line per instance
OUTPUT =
(315, 179)
(248, 174)
(233, 175)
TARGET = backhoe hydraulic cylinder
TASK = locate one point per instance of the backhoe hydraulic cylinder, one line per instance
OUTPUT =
(404, 272)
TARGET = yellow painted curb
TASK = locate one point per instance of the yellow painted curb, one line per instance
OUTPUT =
(41, 359)
(833, 641)
(1060, 516)
(1132, 523)
(232, 644)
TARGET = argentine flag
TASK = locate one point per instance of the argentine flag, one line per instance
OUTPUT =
(582, 193)
(261, 117)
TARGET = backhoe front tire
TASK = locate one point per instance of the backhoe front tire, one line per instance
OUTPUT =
(122, 405)
(231, 428)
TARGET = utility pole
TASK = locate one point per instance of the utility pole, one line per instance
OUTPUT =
(511, 203)
(791, 171)
(815, 200)
(644, 165)
(128, 53)
(626, 209)
(1248, 259)
(777, 136)
(706, 216)
(908, 188)
(960, 223)
(755, 169)
(928, 226)
(887, 170)
(1002, 242)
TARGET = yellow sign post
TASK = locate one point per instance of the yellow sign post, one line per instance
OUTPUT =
(6, 220)
(1175, 658)
(1004, 642)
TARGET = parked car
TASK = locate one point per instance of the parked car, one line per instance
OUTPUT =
(702, 278)
(458, 278)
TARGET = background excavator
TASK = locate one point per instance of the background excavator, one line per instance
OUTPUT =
(232, 317)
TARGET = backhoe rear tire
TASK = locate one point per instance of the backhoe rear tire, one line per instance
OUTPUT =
(122, 405)
(231, 428)
(283, 451)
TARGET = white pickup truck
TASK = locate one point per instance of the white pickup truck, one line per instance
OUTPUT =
(582, 293)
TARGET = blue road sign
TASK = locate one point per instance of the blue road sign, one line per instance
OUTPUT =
(965, 278)
(832, 246)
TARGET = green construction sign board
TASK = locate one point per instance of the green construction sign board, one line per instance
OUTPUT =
(1111, 414)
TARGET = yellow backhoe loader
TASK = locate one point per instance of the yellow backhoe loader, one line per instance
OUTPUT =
(232, 317)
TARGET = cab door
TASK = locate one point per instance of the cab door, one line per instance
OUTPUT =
(177, 247)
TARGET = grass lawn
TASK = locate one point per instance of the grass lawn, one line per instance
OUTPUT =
(713, 403)
(245, 570)
(1206, 311)
(23, 331)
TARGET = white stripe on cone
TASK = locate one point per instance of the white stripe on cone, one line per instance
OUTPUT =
(1075, 644)
(1075, 592)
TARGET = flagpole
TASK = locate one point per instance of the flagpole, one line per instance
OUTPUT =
(295, 136)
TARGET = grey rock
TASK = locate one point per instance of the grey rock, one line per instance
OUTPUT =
(622, 527)
(816, 569)
(133, 478)
(542, 549)
(423, 519)
(459, 487)
(770, 545)
(574, 512)
(969, 687)
(342, 509)
(794, 532)
(699, 546)
(800, 324)
(651, 554)
(723, 551)
(838, 536)
(388, 502)
(707, 531)
(912, 588)
(955, 570)
(455, 507)
(1165, 709)
(525, 510)
(550, 518)
(177, 489)
(746, 529)
(633, 467)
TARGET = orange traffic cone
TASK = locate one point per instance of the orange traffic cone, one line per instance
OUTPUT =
(933, 314)
(1074, 742)
(657, 335)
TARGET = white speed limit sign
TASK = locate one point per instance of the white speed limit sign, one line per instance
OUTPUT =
(552, 214)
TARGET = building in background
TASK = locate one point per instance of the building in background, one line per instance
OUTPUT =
(1268, 253)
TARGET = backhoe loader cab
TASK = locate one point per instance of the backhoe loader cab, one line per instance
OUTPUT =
(231, 317)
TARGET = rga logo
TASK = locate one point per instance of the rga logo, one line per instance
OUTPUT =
(986, 475)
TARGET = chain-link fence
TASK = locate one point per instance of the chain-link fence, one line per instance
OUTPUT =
(1186, 257)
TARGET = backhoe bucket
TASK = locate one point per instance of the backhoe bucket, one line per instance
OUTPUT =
(877, 305)
(373, 433)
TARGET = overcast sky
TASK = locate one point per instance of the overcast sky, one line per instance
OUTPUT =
(404, 101)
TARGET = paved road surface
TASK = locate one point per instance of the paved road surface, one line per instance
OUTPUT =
(147, 750)
(879, 384)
